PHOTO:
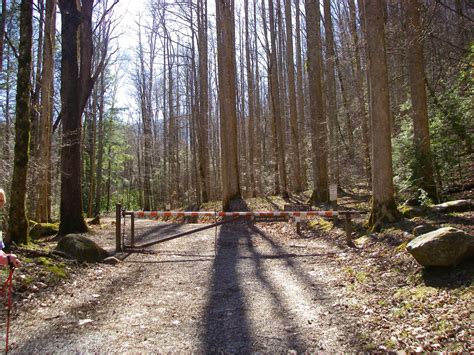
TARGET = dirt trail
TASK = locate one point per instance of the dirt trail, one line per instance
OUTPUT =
(257, 294)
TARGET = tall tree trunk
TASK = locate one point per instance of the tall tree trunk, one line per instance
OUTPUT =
(300, 96)
(203, 126)
(227, 101)
(383, 208)
(331, 94)
(76, 86)
(359, 87)
(423, 169)
(251, 101)
(318, 114)
(276, 104)
(18, 223)
(100, 148)
(43, 207)
(294, 129)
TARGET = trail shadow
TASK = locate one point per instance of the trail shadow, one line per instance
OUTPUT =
(226, 324)
(144, 234)
(459, 276)
(229, 327)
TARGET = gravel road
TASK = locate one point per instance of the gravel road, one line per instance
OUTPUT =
(253, 292)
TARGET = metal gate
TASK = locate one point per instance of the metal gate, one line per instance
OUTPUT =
(296, 213)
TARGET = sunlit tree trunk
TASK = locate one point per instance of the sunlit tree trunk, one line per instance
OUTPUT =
(331, 94)
(227, 101)
(318, 114)
(43, 208)
(18, 222)
(383, 207)
(294, 129)
(423, 169)
(276, 104)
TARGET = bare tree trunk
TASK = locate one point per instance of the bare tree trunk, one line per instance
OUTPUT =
(18, 222)
(227, 101)
(331, 94)
(203, 125)
(276, 105)
(383, 208)
(359, 87)
(318, 119)
(300, 96)
(76, 86)
(100, 148)
(423, 169)
(294, 129)
(43, 207)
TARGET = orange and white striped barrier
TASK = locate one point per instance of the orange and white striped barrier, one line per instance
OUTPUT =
(300, 214)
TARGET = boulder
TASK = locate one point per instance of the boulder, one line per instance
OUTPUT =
(443, 247)
(81, 248)
(423, 229)
(42, 230)
(455, 206)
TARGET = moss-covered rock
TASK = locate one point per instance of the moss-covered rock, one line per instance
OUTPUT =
(81, 248)
(443, 247)
(42, 230)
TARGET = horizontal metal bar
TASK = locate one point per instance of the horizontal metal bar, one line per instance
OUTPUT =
(141, 246)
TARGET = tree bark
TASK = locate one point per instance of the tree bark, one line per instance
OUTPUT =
(318, 114)
(203, 126)
(251, 101)
(276, 104)
(331, 94)
(76, 86)
(43, 208)
(423, 168)
(383, 208)
(18, 222)
(359, 87)
(300, 97)
(227, 101)
(294, 129)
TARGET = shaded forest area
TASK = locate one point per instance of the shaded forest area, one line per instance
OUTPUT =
(231, 100)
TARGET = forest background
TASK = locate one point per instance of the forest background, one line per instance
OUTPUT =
(247, 99)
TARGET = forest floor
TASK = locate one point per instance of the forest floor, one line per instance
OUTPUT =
(260, 288)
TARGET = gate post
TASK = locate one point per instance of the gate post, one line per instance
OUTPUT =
(348, 228)
(132, 229)
(118, 228)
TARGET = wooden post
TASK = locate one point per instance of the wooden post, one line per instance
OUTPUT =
(348, 228)
(333, 200)
(132, 229)
(118, 228)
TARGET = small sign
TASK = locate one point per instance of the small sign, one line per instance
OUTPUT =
(333, 192)
(167, 207)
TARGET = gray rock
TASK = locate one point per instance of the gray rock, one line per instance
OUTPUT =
(111, 260)
(455, 206)
(81, 248)
(443, 247)
(423, 229)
